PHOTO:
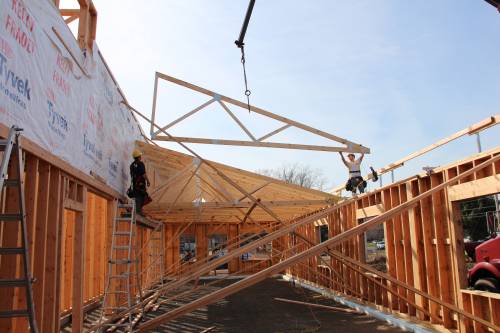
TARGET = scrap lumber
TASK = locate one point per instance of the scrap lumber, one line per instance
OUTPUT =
(319, 306)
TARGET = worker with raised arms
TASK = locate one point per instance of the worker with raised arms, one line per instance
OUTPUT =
(355, 180)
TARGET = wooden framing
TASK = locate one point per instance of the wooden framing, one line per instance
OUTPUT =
(87, 25)
(439, 298)
(254, 142)
(69, 214)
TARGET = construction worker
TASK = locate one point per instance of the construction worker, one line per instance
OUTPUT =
(139, 182)
(355, 180)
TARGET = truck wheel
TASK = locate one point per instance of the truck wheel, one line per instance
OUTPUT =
(488, 284)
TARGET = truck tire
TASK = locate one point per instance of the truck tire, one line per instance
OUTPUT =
(488, 284)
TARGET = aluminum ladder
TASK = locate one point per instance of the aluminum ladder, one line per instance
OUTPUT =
(123, 270)
(11, 147)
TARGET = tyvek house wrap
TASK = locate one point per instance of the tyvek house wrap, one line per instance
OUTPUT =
(77, 118)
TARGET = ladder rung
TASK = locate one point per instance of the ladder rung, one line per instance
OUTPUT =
(11, 250)
(14, 313)
(120, 261)
(116, 325)
(10, 217)
(125, 219)
(11, 182)
(3, 144)
(120, 247)
(122, 233)
(122, 276)
(13, 282)
(125, 205)
(117, 292)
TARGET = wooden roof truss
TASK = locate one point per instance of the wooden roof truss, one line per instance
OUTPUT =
(224, 102)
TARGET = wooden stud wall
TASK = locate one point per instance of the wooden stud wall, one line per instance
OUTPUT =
(69, 237)
(424, 249)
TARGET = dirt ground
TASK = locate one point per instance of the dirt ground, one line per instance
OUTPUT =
(254, 310)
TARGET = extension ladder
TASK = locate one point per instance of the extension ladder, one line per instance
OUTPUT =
(122, 277)
(16, 215)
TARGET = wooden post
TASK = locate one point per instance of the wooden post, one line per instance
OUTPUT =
(51, 258)
(77, 314)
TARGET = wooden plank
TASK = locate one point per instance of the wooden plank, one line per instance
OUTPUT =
(73, 205)
(51, 254)
(398, 244)
(240, 204)
(408, 249)
(476, 188)
(430, 252)
(189, 114)
(240, 124)
(42, 207)
(276, 131)
(31, 193)
(443, 259)
(77, 315)
(257, 144)
(370, 211)
(390, 247)
(417, 244)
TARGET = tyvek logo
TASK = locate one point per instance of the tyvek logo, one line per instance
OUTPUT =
(13, 86)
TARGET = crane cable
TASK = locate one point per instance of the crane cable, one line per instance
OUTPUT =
(247, 91)
(241, 45)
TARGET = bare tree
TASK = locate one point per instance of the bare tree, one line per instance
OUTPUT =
(298, 174)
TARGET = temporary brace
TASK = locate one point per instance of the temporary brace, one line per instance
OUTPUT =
(9, 146)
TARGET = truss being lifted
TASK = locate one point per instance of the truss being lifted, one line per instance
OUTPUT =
(223, 101)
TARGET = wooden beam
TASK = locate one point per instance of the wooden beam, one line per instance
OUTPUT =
(51, 254)
(276, 131)
(258, 144)
(240, 124)
(241, 204)
(189, 114)
(77, 314)
(476, 188)
(370, 211)
(71, 19)
(69, 12)
(74, 205)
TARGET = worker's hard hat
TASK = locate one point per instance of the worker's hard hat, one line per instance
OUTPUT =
(136, 153)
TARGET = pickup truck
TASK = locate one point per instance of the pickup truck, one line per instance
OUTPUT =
(485, 275)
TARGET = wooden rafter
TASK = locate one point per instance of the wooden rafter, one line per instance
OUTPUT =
(349, 146)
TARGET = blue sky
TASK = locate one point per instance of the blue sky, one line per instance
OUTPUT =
(392, 75)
